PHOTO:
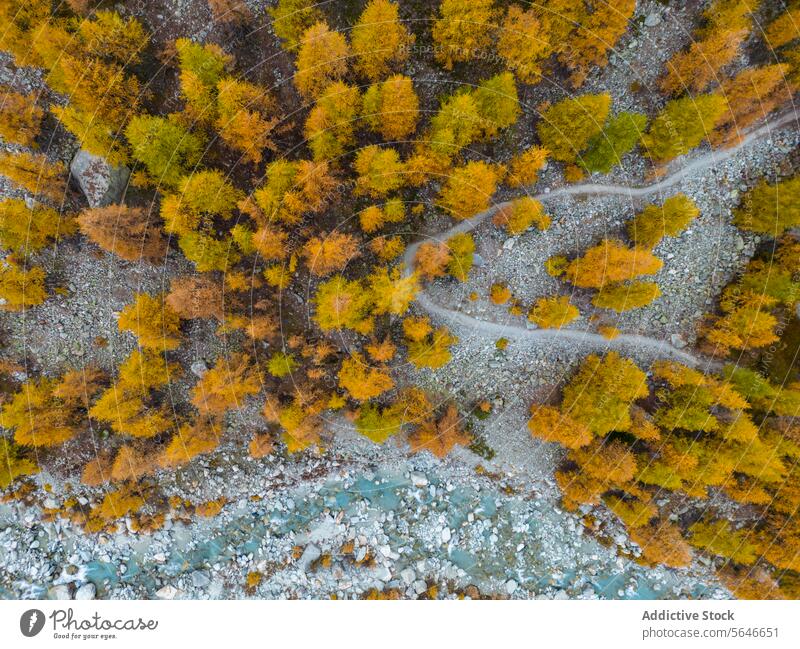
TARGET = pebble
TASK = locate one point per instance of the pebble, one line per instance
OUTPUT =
(310, 554)
(418, 479)
(408, 576)
(200, 579)
(168, 592)
(60, 591)
(652, 19)
(87, 591)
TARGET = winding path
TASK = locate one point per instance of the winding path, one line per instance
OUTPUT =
(659, 347)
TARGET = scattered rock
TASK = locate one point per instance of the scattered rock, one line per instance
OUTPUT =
(200, 579)
(168, 592)
(652, 19)
(87, 591)
(310, 554)
(199, 368)
(418, 479)
(101, 183)
(677, 341)
(59, 592)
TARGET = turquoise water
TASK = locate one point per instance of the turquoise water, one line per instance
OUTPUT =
(487, 549)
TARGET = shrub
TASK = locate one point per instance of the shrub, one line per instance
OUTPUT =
(500, 293)
(281, 364)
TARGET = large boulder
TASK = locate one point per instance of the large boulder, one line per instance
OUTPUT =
(101, 183)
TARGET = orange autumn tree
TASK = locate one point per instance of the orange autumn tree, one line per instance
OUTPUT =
(226, 385)
(523, 43)
(379, 40)
(462, 28)
(128, 232)
(131, 405)
(20, 117)
(469, 189)
(610, 262)
(50, 411)
(440, 436)
(152, 321)
(328, 253)
(322, 58)
(598, 32)
(391, 107)
(362, 381)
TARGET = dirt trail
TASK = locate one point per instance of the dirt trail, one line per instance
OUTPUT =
(630, 342)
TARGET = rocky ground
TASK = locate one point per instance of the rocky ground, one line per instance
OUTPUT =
(358, 519)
